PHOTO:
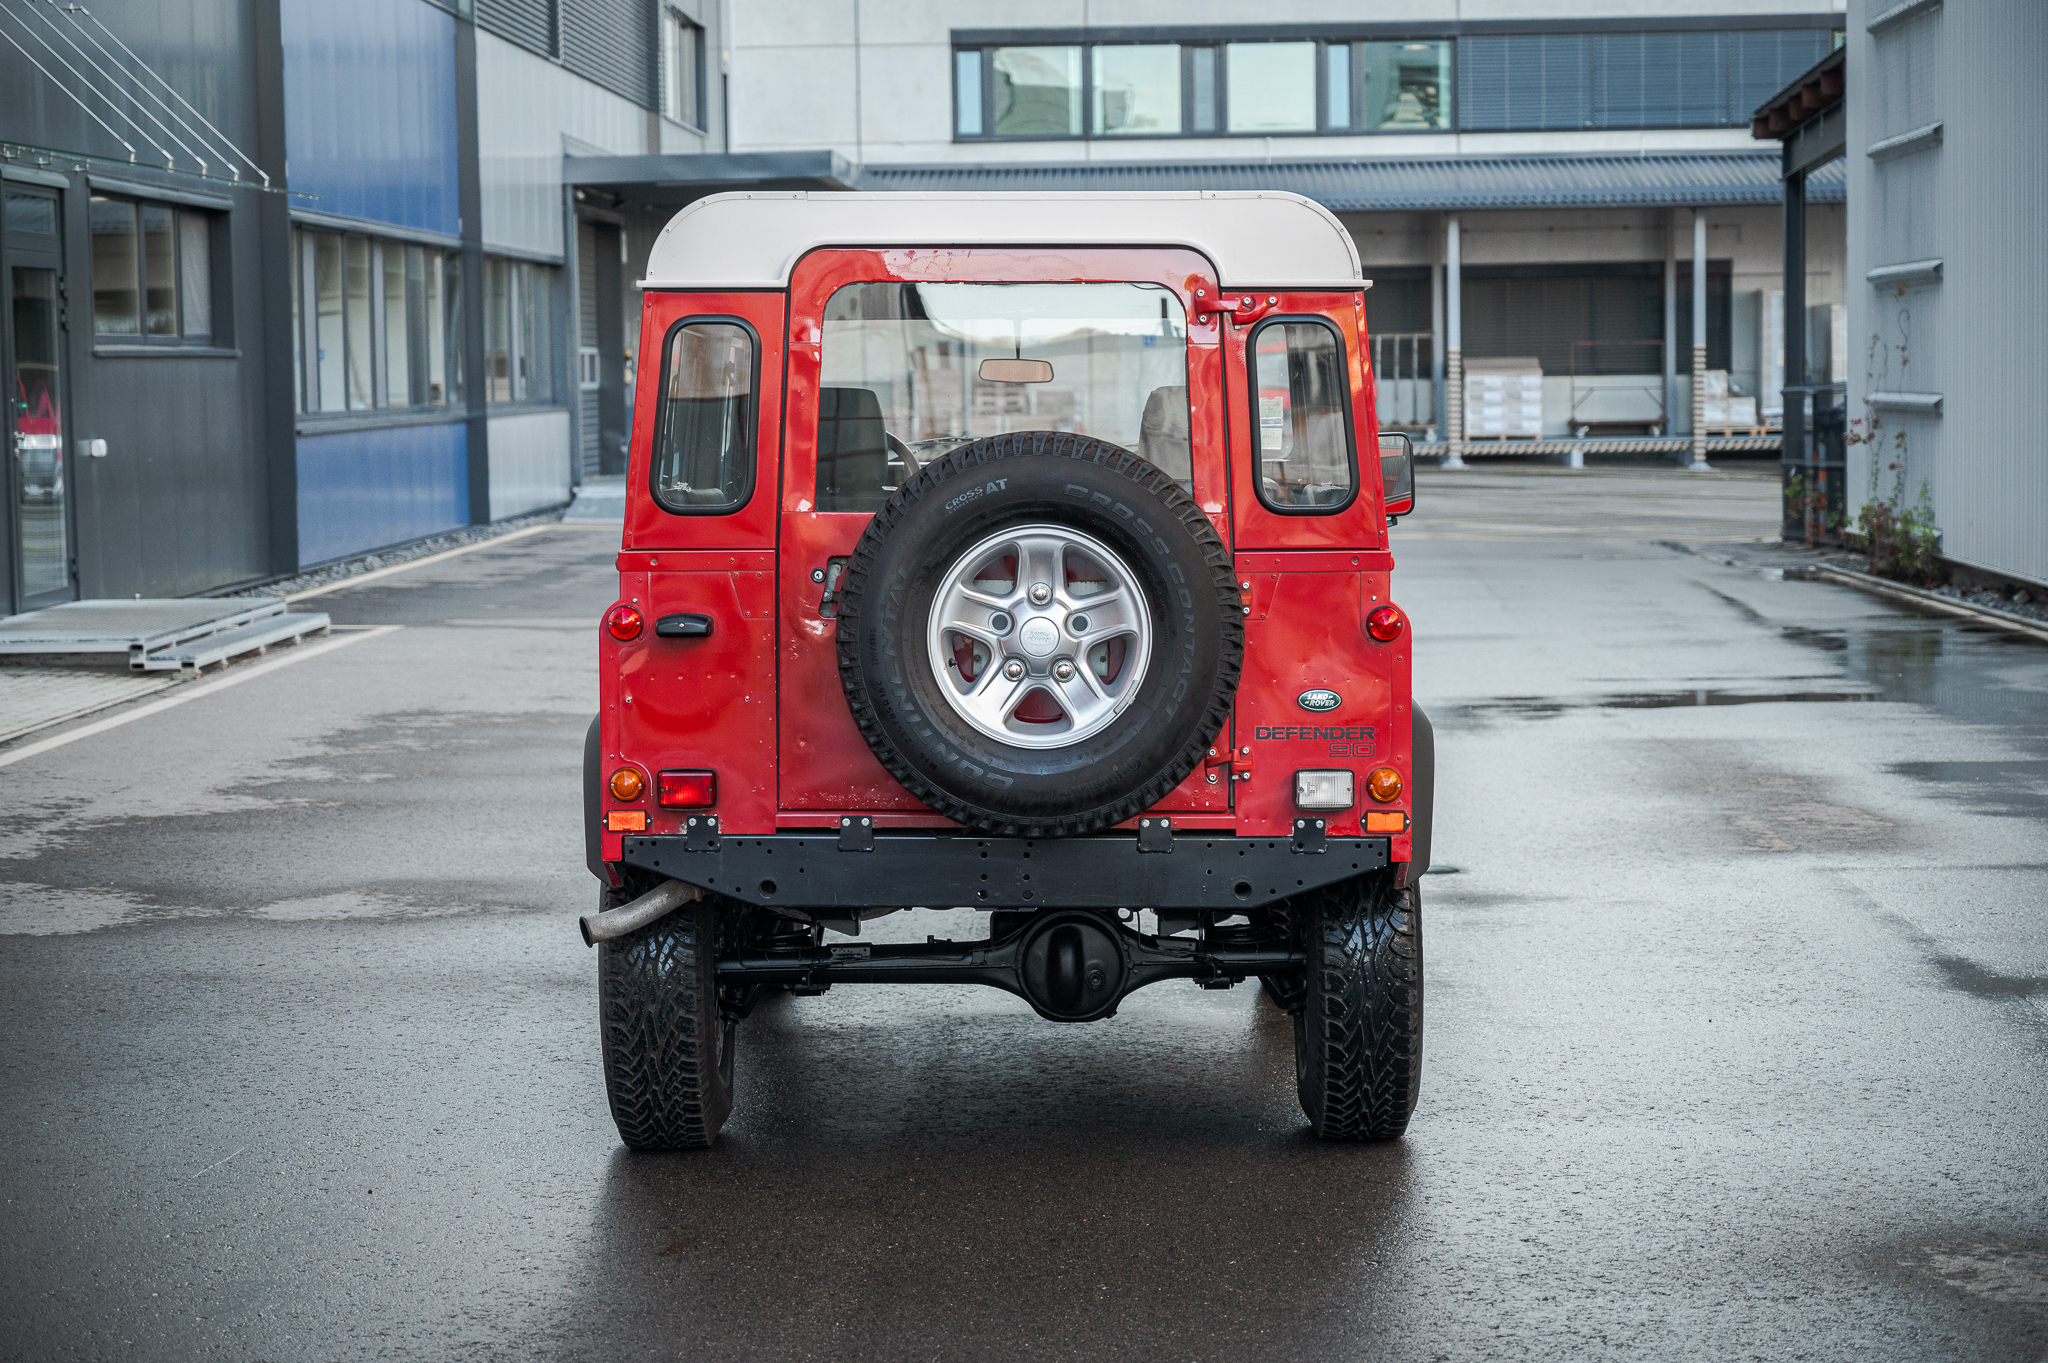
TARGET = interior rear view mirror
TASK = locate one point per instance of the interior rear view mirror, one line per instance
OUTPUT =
(1016, 371)
(1397, 471)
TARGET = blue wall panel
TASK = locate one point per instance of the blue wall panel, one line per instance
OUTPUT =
(362, 490)
(370, 110)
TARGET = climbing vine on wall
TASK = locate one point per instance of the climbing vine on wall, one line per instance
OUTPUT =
(1900, 541)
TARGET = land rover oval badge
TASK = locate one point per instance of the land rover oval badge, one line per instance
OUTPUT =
(1319, 699)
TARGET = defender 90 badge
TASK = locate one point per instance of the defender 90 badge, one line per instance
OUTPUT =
(1319, 699)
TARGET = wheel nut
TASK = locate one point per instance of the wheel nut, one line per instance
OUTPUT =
(1063, 670)
(1040, 593)
(1013, 669)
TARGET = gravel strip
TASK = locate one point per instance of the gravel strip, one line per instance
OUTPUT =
(404, 553)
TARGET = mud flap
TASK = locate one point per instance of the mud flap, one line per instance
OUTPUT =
(1422, 782)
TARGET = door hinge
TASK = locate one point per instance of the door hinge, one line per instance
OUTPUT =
(1243, 308)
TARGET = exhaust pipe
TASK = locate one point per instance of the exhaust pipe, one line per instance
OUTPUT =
(656, 904)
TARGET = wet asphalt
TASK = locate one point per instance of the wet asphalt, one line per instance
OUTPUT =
(1737, 962)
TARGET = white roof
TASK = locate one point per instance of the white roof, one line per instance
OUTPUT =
(1256, 239)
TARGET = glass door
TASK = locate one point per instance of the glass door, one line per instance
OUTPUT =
(33, 354)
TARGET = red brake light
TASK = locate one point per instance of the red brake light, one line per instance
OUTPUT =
(624, 623)
(1385, 624)
(686, 789)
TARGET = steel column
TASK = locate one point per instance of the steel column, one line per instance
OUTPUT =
(1699, 340)
(1454, 348)
(1793, 449)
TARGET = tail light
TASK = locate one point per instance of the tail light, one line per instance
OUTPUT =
(1384, 785)
(686, 789)
(624, 623)
(1385, 624)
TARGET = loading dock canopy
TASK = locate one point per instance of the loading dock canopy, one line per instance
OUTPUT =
(672, 181)
(1265, 240)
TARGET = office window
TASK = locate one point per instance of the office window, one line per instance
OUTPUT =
(1270, 87)
(535, 364)
(967, 93)
(682, 68)
(1137, 90)
(1337, 102)
(152, 271)
(1201, 89)
(1399, 87)
(373, 323)
(1037, 91)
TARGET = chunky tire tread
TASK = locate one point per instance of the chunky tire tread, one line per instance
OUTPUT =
(1358, 1037)
(990, 453)
(667, 1052)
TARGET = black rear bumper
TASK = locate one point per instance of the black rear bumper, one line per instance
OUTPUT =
(942, 870)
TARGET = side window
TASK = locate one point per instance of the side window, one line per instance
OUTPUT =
(704, 445)
(1303, 405)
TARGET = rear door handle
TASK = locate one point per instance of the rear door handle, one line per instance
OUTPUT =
(683, 627)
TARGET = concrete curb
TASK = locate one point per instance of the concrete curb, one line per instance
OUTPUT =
(1919, 596)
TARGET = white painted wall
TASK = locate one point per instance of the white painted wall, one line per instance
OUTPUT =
(529, 462)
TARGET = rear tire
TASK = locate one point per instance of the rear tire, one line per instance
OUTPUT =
(1358, 1036)
(667, 1051)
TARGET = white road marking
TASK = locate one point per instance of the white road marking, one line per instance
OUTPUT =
(193, 692)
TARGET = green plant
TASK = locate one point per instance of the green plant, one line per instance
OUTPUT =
(1899, 541)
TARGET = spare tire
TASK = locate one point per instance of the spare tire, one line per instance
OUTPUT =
(1040, 634)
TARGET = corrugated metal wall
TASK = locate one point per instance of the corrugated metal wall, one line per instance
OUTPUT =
(612, 42)
(530, 23)
(1975, 201)
(370, 110)
(359, 490)
(526, 107)
(589, 419)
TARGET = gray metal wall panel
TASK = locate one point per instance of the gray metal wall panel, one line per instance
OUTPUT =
(589, 420)
(612, 43)
(1976, 337)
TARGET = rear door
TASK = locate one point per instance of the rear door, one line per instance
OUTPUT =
(883, 377)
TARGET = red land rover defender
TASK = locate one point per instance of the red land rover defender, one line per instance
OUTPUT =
(1015, 553)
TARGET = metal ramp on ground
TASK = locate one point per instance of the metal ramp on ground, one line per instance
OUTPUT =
(153, 636)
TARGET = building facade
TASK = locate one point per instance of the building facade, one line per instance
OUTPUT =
(292, 281)
(1950, 279)
(426, 317)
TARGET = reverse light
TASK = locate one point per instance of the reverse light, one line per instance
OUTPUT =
(1384, 785)
(628, 785)
(686, 789)
(624, 623)
(1385, 624)
(1385, 821)
(1324, 790)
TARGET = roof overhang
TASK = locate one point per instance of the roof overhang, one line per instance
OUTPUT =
(673, 181)
(1696, 179)
(1809, 117)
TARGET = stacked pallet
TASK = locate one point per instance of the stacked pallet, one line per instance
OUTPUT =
(1725, 412)
(1503, 399)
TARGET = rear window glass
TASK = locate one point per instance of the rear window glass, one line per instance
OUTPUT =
(910, 371)
(704, 449)
(1301, 400)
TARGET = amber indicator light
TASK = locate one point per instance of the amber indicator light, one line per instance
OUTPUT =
(686, 789)
(626, 821)
(1384, 785)
(1385, 821)
(628, 785)
(1385, 624)
(624, 623)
